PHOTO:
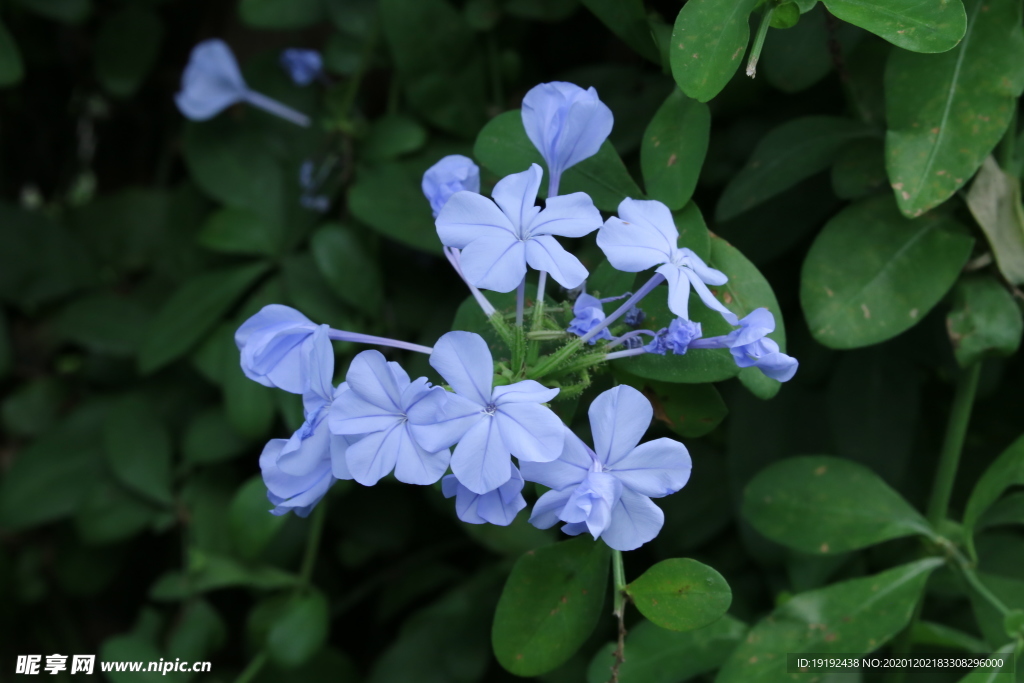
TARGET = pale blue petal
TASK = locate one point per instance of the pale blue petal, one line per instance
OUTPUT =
(545, 253)
(678, 289)
(526, 391)
(619, 418)
(285, 486)
(569, 215)
(501, 507)
(414, 464)
(482, 461)
(303, 455)
(318, 359)
(494, 263)
(575, 529)
(453, 173)
(656, 468)
(370, 378)
(467, 216)
(635, 521)
(441, 418)
(567, 471)
(211, 81)
(350, 414)
(450, 486)
(771, 362)
(302, 65)
(273, 346)
(705, 272)
(339, 459)
(592, 501)
(465, 362)
(530, 431)
(303, 503)
(708, 298)
(585, 301)
(754, 326)
(371, 458)
(548, 507)
(632, 248)
(516, 194)
(565, 122)
(653, 219)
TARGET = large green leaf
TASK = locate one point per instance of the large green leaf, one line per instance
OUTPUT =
(858, 615)
(681, 594)
(11, 67)
(388, 198)
(628, 20)
(825, 505)
(240, 231)
(673, 149)
(995, 202)
(1006, 471)
(795, 59)
(657, 655)
(795, 150)
(127, 45)
(210, 438)
(551, 602)
(351, 271)
(252, 525)
(689, 410)
(708, 43)
(68, 11)
(111, 513)
(281, 14)
(503, 148)
(930, 26)
(138, 449)
(994, 675)
(871, 273)
(985, 320)
(192, 310)
(104, 322)
(946, 112)
(300, 631)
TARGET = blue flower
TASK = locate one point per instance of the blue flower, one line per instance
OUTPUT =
(608, 491)
(634, 317)
(212, 82)
(643, 236)
(380, 395)
(589, 314)
(299, 471)
(454, 173)
(681, 334)
(499, 240)
(751, 347)
(490, 424)
(499, 506)
(303, 66)
(566, 124)
(279, 346)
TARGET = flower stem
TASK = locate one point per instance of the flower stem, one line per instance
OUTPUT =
(255, 666)
(357, 338)
(316, 528)
(550, 363)
(622, 310)
(520, 301)
(762, 31)
(272, 106)
(952, 445)
(619, 611)
(538, 304)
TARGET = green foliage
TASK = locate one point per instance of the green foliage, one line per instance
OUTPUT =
(985, 320)
(681, 595)
(673, 150)
(708, 44)
(1006, 471)
(994, 200)
(934, 26)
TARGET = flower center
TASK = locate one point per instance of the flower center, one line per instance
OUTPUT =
(490, 409)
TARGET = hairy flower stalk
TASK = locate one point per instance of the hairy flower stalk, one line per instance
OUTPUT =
(625, 308)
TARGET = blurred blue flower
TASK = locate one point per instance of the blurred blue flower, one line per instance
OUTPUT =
(751, 347)
(280, 348)
(589, 314)
(453, 173)
(212, 82)
(302, 66)
(499, 239)
(608, 491)
(643, 236)
(566, 124)
(499, 506)
(376, 406)
(634, 317)
(490, 424)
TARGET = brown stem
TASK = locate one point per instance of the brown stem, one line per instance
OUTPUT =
(620, 651)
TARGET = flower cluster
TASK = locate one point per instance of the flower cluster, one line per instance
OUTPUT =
(490, 424)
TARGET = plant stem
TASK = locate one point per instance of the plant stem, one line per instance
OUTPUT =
(619, 610)
(255, 666)
(520, 302)
(551, 363)
(622, 310)
(956, 431)
(316, 528)
(762, 31)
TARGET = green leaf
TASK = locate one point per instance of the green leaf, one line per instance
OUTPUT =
(138, 449)
(551, 602)
(131, 648)
(280, 14)
(199, 632)
(33, 407)
(111, 513)
(657, 655)
(191, 311)
(104, 322)
(693, 231)
(67, 11)
(994, 675)
(50, 478)
(211, 572)
(786, 155)
(859, 170)
(300, 631)
(681, 594)
(994, 200)
(932, 633)
(252, 525)
(628, 20)
(991, 621)
(503, 148)
(513, 540)
(689, 410)
(932, 26)
(127, 45)
(946, 112)
(1006, 471)
(308, 291)
(441, 69)
(1007, 510)
(388, 198)
(708, 43)
(785, 16)
(673, 149)
(351, 271)
(392, 136)
(821, 505)
(540, 10)
(858, 615)
(6, 354)
(129, 230)
(235, 165)
(985, 320)
(607, 281)
(239, 231)
(210, 438)
(11, 68)
(871, 273)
